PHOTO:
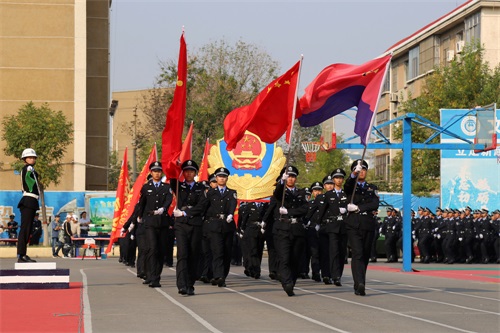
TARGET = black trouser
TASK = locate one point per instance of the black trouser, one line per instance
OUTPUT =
(156, 238)
(221, 244)
(188, 253)
(131, 248)
(324, 253)
(289, 249)
(338, 250)
(360, 242)
(424, 245)
(142, 249)
(390, 246)
(449, 247)
(169, 251)
(311, 252)
(123, 242)
(253, 241)
(27, 218)
(272, 257)
(205, 265)
(373, 253)
(236, 254)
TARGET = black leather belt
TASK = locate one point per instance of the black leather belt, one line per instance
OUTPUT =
(186, 207)
(219, 216)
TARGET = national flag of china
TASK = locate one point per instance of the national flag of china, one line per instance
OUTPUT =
(270, 114)
(171, 139)
(121, 193)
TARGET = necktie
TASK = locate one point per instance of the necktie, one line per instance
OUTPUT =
(221, 191)
(156, 185)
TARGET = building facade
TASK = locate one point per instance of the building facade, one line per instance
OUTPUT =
(436, 44)
(57, 52)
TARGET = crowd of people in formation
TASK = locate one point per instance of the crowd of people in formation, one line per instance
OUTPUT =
(308, 232)
(305, 229)
(447, 236)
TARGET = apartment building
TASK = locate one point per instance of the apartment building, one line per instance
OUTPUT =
(57, 52)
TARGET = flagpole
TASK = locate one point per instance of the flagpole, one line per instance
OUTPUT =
(294, 110)
(370, 128)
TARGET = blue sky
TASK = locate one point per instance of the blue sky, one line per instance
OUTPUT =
(325, 32)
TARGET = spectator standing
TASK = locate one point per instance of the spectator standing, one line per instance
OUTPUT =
(84, 224)
(56, 226)
(36, 231)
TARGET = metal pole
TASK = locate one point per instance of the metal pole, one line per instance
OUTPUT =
(407, 239)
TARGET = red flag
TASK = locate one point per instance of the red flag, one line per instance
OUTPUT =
(187, 145)
(171, 138)
(270, 114)
(203, 174)
(121, 192)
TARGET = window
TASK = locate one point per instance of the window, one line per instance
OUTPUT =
(473, 28)
(381, 166)
(413, 63)
(382, 117)
(387, 83)
(394, 73)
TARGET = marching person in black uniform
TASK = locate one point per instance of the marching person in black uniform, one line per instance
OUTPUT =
(268, 224)
(205, 266)
(495, 221)
(288, 228)
(391, 229)
(484, 232)
(253, 238)
(188, 228)
(469, 235)
(312, 254)
(28, 205)
(332, 214)
(423, 232)
(155, 200)
(219, 203)
(360, 221)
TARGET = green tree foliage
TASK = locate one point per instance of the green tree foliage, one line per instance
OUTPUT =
(465, 83)
(43, 129)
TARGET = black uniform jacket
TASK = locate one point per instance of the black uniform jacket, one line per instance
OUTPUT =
(152, 199)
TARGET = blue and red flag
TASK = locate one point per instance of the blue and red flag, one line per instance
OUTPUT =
(341, 86)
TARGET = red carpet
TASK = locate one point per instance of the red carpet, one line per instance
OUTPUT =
(483, 275)
(58, 310)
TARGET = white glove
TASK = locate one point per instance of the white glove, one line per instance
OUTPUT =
(159, 211)
(460, 239)
(284, 177)
(283, 211)
(380, 230)
(229, 218)
(131, 227)
(413, 232)
(262, 224)
(393, 227)
(352, 207)
(29, 168)
(139, 219)
(414, 238)
(178, 213)
(438, 236)
(342, 210)
(317, 227)
(308, 224)
(240, 234)
(358, 168)
(122, 232)
(132, 237)
(481, 236)
(262, 230)
(436, 229)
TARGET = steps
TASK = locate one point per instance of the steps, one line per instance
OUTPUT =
(34, 275)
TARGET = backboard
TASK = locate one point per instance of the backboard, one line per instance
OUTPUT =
(486, 127)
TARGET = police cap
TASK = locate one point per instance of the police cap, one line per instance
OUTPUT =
(307, 190)
(222, 172)
(316, 186)
(292, 171)
(190, 165)
(211, 178)
(364, 164)
(328, 180)
(484, 211)
(438, 209)
(338, 173)
(155, 166)
(12, 216)
(468, 208)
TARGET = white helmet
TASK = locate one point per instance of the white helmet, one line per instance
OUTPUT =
(28, 152)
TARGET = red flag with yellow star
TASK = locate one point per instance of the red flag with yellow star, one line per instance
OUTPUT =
(270, 114)
(171, 141)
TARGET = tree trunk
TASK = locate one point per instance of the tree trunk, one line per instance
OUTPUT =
(45, 226)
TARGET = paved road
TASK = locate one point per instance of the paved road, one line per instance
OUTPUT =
(395, 302)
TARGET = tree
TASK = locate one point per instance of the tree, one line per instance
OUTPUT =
(221, 77)
(49, 133)
(466, 82)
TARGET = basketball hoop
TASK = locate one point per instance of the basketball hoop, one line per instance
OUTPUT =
(311, 148)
